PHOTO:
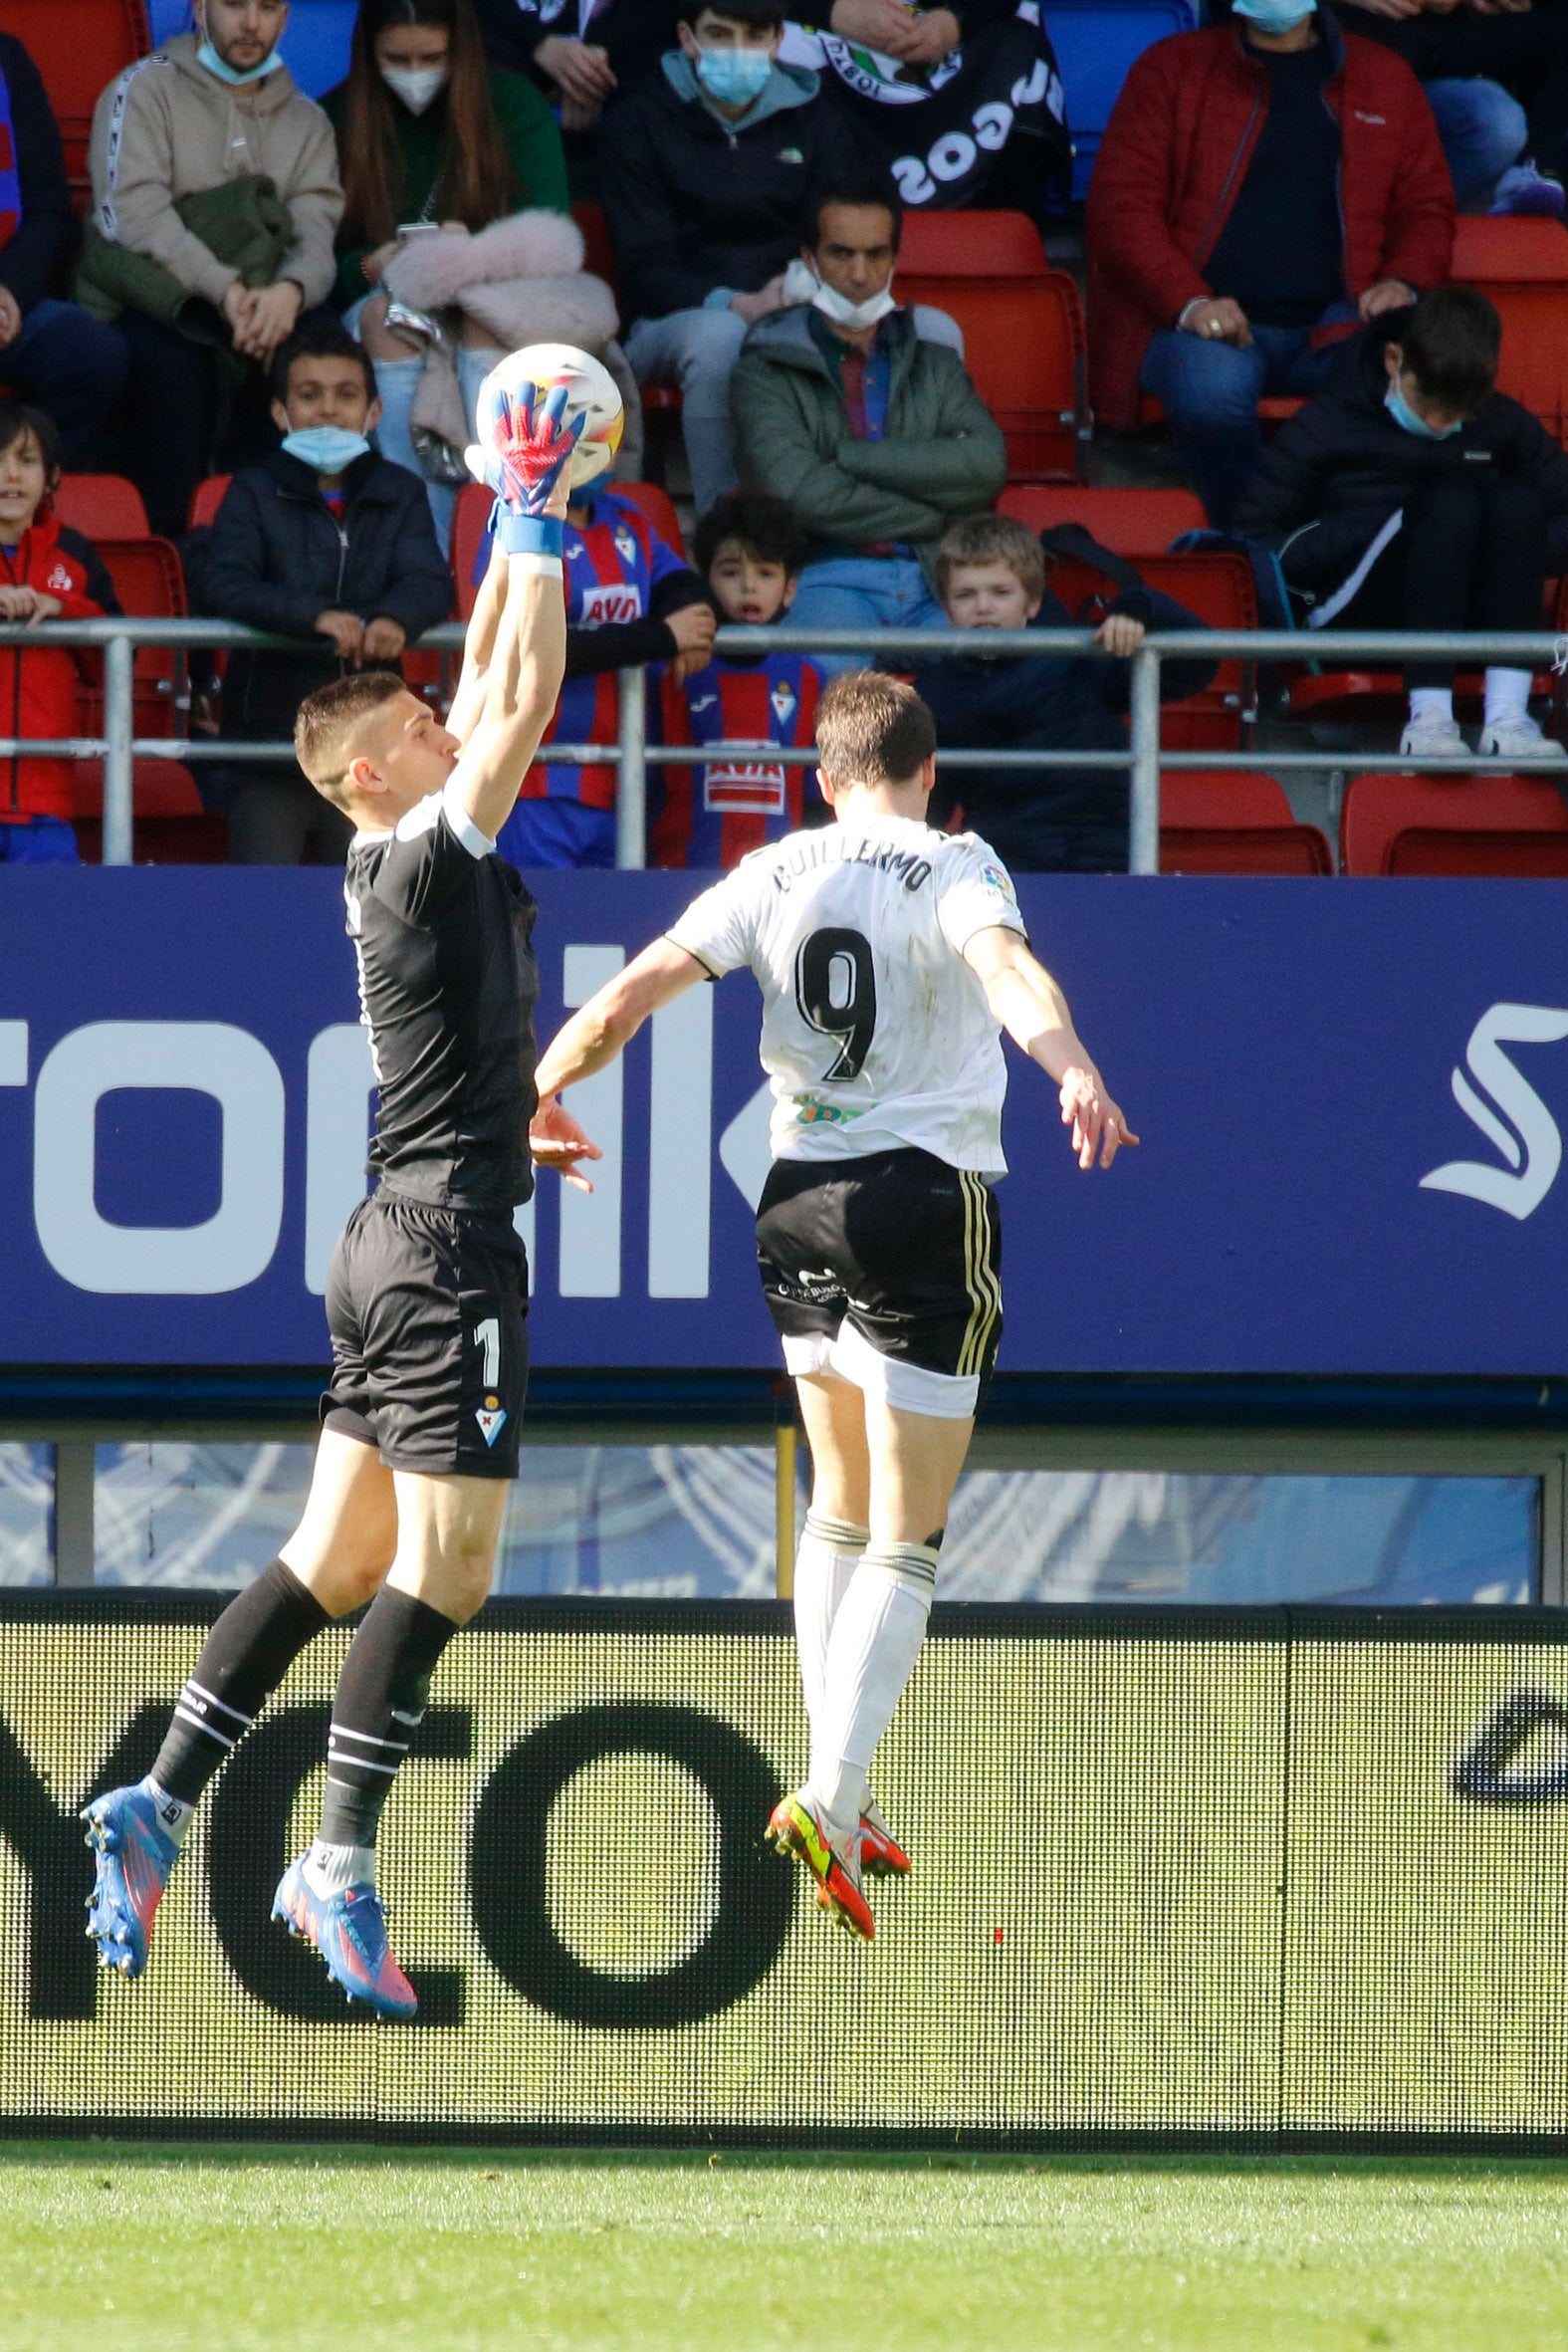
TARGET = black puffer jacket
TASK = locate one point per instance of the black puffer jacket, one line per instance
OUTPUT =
(276, 557)
(1332, 476)
(693, 206)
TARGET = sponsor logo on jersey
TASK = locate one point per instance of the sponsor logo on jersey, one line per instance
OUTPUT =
(490, 1423)
(612, 600)
(59, 582)
(994, 879)
(746, 788)
(811, 1111)
(703, 702)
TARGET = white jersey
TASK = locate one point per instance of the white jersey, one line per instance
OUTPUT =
(876, 1034)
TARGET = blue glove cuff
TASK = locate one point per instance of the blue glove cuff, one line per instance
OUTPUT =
(529, 535)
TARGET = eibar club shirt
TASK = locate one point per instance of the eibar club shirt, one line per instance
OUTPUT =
(714, 815)
(442, 930)
(876, 1034)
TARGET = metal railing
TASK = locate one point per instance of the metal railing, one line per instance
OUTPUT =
(119, 747)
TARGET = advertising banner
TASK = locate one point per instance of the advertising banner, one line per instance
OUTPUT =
(1351, 1097)
(1250, 1873)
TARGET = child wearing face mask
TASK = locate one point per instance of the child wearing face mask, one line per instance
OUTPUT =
(1413, 494)
(326, 542)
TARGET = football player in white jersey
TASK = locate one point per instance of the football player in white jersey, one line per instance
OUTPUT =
(889, 957)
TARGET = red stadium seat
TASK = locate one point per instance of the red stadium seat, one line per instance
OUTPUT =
(599, 255)
(1024, 348)
(170, 826)
(1131, 522)
(1522, 266)
(657, 505)
(1478, 825)
(102, 505)
(1271, 410)
(205, 501)
(78, 46)
(971, 245)
(148, 583)
(1219, 822)
(1216, 586)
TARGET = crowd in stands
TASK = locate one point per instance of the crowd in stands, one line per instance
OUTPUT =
(305, 297)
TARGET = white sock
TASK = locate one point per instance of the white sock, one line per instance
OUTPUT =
(1430, 704)
(332, 1870)
(871, 1653)
(1507, 697)
(828, 1556)
(175, 1816)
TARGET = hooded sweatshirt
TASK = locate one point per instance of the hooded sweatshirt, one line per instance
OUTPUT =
(166, 128)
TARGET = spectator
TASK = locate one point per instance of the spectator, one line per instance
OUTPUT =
(47, 573)
(53, 353)
(589, 52)
(631, 602)
(961, 105)
(991, 574)
(1470, 62)
(325, 540)
(215, 194)
(1260, 185)
(1414, 495)
(430, 137)
(748, 550)
(706, 172)
(873, 437)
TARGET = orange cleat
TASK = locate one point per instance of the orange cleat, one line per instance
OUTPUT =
(881, 1856)
(798, 1828)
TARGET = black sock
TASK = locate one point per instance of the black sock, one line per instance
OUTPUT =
(243, 1659)
(381, 1694)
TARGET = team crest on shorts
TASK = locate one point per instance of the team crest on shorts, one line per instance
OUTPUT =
(490, 1416)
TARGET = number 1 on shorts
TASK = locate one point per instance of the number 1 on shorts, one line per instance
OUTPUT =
(488, 1336)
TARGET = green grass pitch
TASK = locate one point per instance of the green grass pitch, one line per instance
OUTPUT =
(231, 2250)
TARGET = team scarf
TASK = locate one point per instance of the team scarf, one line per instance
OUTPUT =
(940, 129)
(10, 177)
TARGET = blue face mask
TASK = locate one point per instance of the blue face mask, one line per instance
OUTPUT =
(207, 56)
(327, 448)
(735, 77)
(1407, 421)
(1273, 16)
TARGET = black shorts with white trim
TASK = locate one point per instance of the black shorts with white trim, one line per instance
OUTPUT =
(427, 1309)
(886, 1270)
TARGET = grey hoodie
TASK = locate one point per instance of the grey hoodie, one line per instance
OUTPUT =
(166, 127)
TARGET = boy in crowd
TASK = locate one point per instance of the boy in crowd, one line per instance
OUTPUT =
(47, 573)
(991, 574)
(630, 600)
(1411, 494)
(327, 540)
(749, 551)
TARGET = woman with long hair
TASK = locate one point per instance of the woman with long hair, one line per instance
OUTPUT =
(428, 133)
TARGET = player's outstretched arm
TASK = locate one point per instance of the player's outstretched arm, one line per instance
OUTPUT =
(519, 663)
(1034, 1011)
(594, 1035)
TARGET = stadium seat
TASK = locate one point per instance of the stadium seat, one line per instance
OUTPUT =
(316, 41)
(102, 505)
(1522, 266)
(1271, 410)
(599, 255)
(1478, 825)
(169, 827)
(206, 499)
(1024, 333)
(78, 46)
(659, 508)
(149, 582)
(1219, 822)
(1095, 44)
(1131, 522)
(971, 245)
(1216, 586)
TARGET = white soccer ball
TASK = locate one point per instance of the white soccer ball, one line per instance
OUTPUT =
(590, 392)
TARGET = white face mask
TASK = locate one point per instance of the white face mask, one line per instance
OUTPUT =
(802, 284)
(417, 86)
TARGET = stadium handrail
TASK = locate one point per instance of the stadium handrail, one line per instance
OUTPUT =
(119, 747)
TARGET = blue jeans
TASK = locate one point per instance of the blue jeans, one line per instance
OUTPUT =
(38, 840)
(1482, 128)
(548, 831)
(1209, 390)
(72, 367)
(863, 592)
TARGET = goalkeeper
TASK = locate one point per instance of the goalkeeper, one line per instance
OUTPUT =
(427, 1296)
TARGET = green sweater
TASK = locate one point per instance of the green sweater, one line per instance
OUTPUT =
(532, 145)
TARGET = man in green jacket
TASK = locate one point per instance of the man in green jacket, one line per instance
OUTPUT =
(874, 437)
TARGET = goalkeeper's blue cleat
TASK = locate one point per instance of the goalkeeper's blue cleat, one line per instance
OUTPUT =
(133, 1857)
(348, 1930)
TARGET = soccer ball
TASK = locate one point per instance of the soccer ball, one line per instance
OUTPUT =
(591, 392)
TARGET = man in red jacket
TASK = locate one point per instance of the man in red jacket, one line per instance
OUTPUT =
(47, 573)
(1261, 187)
